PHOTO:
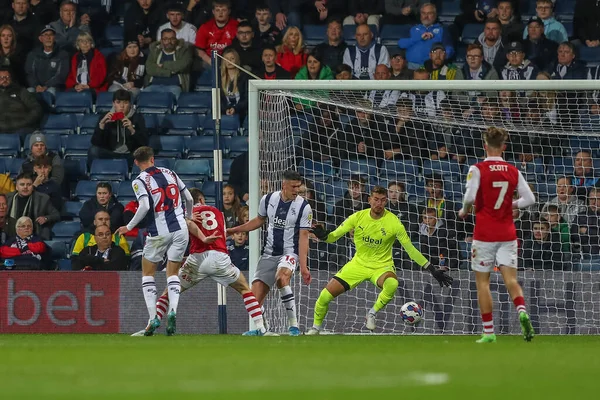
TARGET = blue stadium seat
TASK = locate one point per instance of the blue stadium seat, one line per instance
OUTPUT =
(449, 10)
(10, 144)
(76, 146)
(237, 145)
(152, 125)
(564, 9)
(64, 264)
(461, 53)
(104, 102)
(448, 169)
(73, 102)
(209, 188)
(471, 32)
(85, 190)
(62, 124)
(75, 169)
(109, 170)
(199, 147)
(3, 166)
(230, 125)
(155, 102)
(416, 192)
(314, 34)
(589, 55)
(193, 169)
(58, 248)
(180, 124)
(569, 28)
(194, 103)
(226, 168)
(14, 167)
(334, 190)
(360, 167)
(88, 124)
(46, 99)
(168, 146)
(546, 191)
(585, 143)
(316, 171)
(65, 229)
(71, 209)
(114, 34)
(108, 52)
(53, 142)
(204, 81)
(404, 171)
(563, 166)
(125, 192)
(454, 191)
(390, 34)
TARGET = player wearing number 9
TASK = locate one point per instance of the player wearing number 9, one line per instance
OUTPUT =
(490, 187)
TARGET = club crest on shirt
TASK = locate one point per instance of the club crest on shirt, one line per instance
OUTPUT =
(383, 232)
(469, 176)
(136, 188)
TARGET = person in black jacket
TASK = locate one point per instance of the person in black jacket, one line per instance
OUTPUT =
(435, 242)
(104, 201)
(238, 177)
(333, 47)
(234, 86)
(586, 21)
(543, 250)
(47, 66)
(42, 168)
(103, 256)
(120, 131)
(142, 21)
(245, 45)
(127, 70)
(270, 69)
(239, 251)
(538, 48)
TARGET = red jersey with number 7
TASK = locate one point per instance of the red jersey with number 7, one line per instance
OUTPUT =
(497, 181)
(213, 221)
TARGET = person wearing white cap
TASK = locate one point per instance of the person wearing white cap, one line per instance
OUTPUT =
(37, 145)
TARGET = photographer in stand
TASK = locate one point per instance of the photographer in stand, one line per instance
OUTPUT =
(120, 131)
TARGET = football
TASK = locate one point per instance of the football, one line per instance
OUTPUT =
(411, 313)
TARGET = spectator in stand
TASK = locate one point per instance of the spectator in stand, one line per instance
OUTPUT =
(398, 203)
(437, 66)
(383, 98)
(197, 12)
(11, 54)
(569, 205)
(538, 48)
(217, 33)
(86, 237)
(401, 12)
(67, 28)
(3, 209)
(238, 177)
(88, 67)
(588, 225)
(25, 202)
(436, 199)
(44, 11)
(553, 29)
(583, 172)
(309, 12)
(491, 43)
(314, 69)
(21, 112)
(364, 12)
(243, 214)
(142, 21)
(268, 34)
(106, 201)
(239, 250)
(244, 44)
(47, 66)
(184, 30)
(270, 69)
(315, 143)
(334, 47)
(231, 206)
(423, 36)
(291, 54)
(286, 14)
(27, 250)
(168, 65)
(543, 250)
(25, 25)
(120, 131)
(425, 104)
(474, 12)
(435, 241)
(585, 22)
(364, 57)
(42, 167)
(408, 137)
(511, 24)
(103, 255)
(355, 199)
(566, 66)
(128, 70)
(558, 225)
(476, 67)
(518, 68)
(343, 72)
(234, 86)
(37, 147)
(399, 70)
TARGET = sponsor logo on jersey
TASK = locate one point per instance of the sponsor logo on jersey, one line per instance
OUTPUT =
(372, 242)
(279, 222)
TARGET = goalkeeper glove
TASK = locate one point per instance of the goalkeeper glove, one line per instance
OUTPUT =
(440, 276)
(320, 232)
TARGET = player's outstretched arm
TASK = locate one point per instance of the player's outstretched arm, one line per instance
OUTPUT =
(329, 236)
(140, 214)
(251, 225)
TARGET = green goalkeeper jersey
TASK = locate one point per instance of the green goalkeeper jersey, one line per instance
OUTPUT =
(374, 239)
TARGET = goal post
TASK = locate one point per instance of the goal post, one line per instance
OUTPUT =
(549, 122)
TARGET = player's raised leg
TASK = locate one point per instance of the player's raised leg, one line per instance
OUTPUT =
(388, 282)
(516, 293)
(484, 298)
(334, 288)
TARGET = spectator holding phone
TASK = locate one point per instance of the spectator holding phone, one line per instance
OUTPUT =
(120, 131)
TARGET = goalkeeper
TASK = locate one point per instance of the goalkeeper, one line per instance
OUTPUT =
(375, 231)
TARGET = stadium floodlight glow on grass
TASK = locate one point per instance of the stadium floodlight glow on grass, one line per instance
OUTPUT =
(548, 122)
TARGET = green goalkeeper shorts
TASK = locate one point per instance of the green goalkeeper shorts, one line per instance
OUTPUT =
(354, 273)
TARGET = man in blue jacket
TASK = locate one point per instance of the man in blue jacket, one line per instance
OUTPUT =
(424, 36)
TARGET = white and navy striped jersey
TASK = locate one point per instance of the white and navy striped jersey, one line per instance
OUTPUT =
(163, 188)
(285, 220)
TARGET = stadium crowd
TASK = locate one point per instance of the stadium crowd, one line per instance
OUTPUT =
(84, 83)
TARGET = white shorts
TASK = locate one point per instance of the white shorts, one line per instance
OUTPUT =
(210, 264)
(173, 244)
(268, 265)
(487, 255)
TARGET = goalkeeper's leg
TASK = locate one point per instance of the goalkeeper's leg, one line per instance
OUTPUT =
(388, 282)
(509, 275)
(484, 298)
(334, 288)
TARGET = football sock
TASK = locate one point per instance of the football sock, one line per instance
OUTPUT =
(287, 298)
(173, 291)
(390, 285)
(488, 323)
(520, 304)
(321, 308)
(254, 310)
(162, 306)
(149, 289)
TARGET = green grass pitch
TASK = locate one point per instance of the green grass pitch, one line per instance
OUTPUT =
(89, 367)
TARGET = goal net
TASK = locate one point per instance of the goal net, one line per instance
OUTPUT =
(417, 139)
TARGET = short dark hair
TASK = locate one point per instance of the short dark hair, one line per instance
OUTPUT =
(104, 185)
(397, 183)
(24, 175)
(122, 95)
(430, 210)
(196, 194)
(343, 68)
(245, 24)
(6, 69)
(65, 3)
(435, 178)
(225, 3)
(168, 30)
(268, 47)
(291, 175)
(494, 21)
(42, 161)
(143, 154)
(101, 212)
(261, 7)
(553, 208)
(379, 190)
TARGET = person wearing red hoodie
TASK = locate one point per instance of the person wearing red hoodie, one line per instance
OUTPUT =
(88, 67)
(291, 54)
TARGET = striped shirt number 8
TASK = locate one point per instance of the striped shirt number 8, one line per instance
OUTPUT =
(209, 220)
